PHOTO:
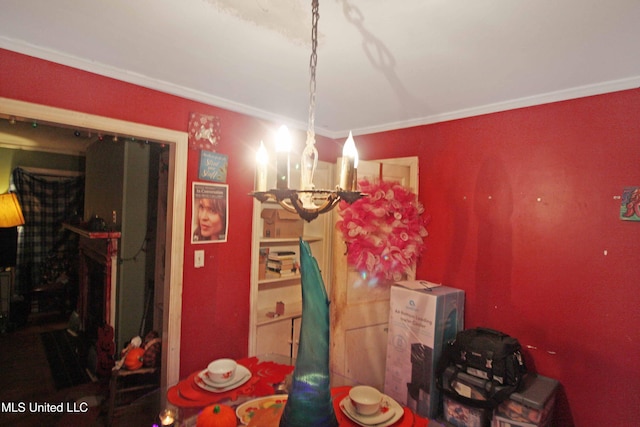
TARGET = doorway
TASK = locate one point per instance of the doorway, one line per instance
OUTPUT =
(176, 195)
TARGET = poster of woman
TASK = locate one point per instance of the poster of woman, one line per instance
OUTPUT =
(209, 224)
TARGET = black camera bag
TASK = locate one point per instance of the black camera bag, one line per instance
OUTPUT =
(487, 354)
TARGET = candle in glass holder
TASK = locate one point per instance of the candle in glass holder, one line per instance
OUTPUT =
(167, 417)
(283, 147)
(262, 159)
(348, 171)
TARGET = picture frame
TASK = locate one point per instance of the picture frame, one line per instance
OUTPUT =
(204, 131)
(630, 206)
(213, 166)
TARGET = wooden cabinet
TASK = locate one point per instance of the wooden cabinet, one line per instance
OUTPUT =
(279, 334)
(274, 337)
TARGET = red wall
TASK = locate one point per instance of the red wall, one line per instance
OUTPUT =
(523, 207)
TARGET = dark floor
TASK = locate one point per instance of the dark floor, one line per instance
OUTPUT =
(25, 378)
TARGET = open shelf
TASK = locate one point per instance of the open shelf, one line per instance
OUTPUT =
(291, 311)
(280, 334)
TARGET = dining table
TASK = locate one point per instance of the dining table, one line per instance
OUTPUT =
(180, 404)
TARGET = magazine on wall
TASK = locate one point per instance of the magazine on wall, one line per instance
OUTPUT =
(209, 223)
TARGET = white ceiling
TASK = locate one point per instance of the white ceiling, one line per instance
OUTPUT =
(382, 64)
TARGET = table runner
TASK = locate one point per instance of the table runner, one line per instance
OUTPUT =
(263, 376)
(270, 414)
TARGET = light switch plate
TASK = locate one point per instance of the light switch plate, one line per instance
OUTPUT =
(198, 260)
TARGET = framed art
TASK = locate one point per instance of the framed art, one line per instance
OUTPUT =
(204, 131)
(209, 218)
(213, 166)
(630, 207)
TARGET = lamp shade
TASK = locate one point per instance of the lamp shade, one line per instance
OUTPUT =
(10, 212)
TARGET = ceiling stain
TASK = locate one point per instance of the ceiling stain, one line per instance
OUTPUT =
(286, 17)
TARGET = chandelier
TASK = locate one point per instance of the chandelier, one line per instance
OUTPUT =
(308, 202)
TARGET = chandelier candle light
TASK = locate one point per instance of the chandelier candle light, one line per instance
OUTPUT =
(283, 148)
(308, 202)
(262, 159)
(349, 170)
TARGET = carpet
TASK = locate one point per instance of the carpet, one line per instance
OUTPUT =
(66, 369)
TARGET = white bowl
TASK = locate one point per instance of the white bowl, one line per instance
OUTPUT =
(365, 399)
(221, 370)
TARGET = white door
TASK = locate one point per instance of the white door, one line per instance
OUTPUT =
(360, 308)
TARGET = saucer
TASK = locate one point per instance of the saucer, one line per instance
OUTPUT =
(390, 412)
(241, 376)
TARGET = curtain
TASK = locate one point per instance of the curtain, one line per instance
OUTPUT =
(46, 250)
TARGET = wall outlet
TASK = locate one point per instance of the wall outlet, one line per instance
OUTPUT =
(198, 260)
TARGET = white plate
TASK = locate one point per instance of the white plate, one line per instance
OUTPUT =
(241, 376)
(246, 411)
(381, 418)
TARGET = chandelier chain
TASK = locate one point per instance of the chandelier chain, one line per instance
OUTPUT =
(313, 62)
(309, 202)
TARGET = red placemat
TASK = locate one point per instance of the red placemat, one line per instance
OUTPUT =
(263, 375)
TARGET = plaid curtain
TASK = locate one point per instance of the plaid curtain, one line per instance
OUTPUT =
(45, 248)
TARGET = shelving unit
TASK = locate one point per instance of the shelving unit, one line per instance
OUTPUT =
(279, 334)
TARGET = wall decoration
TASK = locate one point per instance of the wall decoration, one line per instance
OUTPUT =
(204, 131)
(630, 207)
(213, 166)
(385, 231)
(210, 214)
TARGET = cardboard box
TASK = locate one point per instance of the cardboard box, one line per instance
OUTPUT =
(281, 223)
(532, 406)
(421, 320)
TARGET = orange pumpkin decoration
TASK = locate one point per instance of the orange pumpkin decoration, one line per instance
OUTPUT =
(217, 415)
(133, 359)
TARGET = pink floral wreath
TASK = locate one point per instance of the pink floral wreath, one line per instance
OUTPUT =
(384, 232)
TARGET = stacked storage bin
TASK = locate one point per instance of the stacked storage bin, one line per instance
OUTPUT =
(532, 406)
(458, 414)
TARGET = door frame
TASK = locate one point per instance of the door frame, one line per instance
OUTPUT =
(176, 197)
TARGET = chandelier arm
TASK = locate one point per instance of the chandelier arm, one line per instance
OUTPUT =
(287, 206)
(309, 214)
(329, 204)
(262, 196)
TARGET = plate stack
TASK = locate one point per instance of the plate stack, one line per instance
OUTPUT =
(241, 376)
(387, 413)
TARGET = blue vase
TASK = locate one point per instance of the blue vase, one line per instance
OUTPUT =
(309, 403)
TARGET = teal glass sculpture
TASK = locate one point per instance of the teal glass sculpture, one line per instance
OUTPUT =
(309, 403)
